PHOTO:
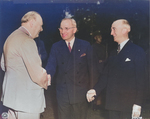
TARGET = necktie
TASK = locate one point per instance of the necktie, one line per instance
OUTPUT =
(69, 47)
(118, 50)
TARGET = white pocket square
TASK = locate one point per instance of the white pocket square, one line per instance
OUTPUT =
(127, 60)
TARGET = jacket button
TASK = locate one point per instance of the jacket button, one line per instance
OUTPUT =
(65, 72)
(64, 82)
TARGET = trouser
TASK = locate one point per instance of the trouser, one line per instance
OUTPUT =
(22, 115)
(72, 111)
(119, 115)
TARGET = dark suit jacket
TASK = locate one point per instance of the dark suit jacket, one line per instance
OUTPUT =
(72, 70)
(124, 78)
(41, 50)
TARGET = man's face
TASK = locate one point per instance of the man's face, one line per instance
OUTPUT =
(37, 26)
(116, 30)
(67, 30)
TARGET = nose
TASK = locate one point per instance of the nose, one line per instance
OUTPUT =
(111, 32)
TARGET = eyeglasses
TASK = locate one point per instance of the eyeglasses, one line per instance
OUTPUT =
(66, 28)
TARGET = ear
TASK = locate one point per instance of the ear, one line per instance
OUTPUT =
(75, 30)
(124, 31)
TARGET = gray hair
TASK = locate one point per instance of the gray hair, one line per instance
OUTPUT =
(126, 24)
(28, 16)
(72, 21)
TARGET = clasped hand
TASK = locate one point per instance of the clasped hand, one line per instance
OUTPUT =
(136, 111)
(90, 95)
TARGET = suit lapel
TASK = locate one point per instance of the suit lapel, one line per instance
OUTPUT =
(122, 54)
(63, 49)
(124, 51)
(73, 55)
(64, 52)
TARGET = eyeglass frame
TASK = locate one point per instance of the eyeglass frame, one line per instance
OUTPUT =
(66, 28)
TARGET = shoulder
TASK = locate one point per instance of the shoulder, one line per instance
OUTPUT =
(20, 38)
(82, 42)
(135, 47)
(59, 43)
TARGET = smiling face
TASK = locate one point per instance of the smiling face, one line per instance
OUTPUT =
(116, 30)
(67, 30)
(119, 30)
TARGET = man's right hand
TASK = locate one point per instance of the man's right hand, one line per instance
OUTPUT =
(90, 95)
(49, 79)
(47, 82)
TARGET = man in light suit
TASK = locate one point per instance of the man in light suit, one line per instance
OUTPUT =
(124, 76)
(70, 62)
(25, 79)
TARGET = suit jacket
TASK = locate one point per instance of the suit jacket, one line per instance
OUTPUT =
(24, 75)
(72, 70)
(41, 49)
(124, 78)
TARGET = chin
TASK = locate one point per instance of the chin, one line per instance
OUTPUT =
(63, 38)
(115, 40)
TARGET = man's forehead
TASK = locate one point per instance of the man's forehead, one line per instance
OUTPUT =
(66, 22)
(117, 23)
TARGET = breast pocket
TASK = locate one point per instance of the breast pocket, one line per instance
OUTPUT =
(127, 66)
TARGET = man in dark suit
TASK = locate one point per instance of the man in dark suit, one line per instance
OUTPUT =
(41, 50)
(124, 76)
(70, 61)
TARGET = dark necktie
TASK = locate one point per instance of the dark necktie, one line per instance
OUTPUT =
(118, 50)
(69, 47)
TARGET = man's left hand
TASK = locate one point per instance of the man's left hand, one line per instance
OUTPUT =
(136, 111)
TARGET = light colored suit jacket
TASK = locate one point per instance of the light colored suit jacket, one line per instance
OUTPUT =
(24, 76)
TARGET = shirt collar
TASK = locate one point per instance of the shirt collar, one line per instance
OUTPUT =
(71, 42)
(27, 31)
(123, 43)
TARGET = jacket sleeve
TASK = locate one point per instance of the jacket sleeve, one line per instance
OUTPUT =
(52, 62)
(32, 61)
(2, 66)
(103, 79)
(140, 76)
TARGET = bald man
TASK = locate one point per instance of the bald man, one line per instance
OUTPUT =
(123, 77)
(25, 79)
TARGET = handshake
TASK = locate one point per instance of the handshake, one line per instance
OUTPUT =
(136, 117)
(48, 78)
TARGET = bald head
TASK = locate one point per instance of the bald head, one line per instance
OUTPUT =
(29, 15)
(125, 24)
(33, 22)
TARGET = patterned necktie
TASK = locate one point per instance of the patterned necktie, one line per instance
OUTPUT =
(69, 47)
(118, 50)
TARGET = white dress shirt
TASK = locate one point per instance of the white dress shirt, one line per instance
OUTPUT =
(123, 44)
(71, 42)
